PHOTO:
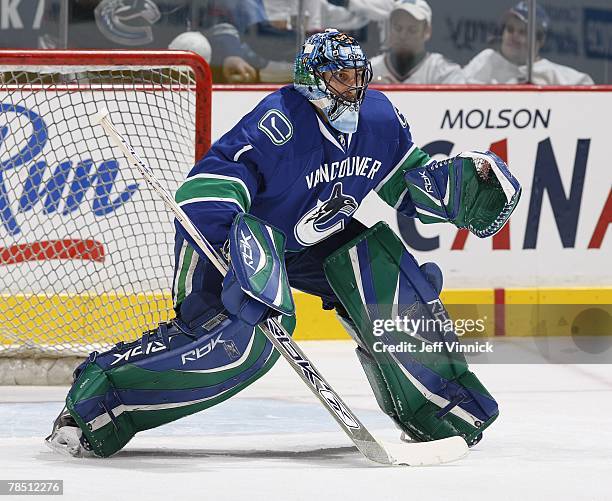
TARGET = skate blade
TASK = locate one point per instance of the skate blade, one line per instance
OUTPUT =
(73, 449)
(61, 449)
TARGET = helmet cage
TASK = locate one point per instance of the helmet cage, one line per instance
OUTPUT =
(337, 88)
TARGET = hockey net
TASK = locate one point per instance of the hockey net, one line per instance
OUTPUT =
(86, 249)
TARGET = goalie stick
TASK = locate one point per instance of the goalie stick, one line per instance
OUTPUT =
(407, 454)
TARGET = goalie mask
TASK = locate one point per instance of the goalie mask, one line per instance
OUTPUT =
(333, 73)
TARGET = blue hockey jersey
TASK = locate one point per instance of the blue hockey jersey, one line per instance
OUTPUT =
(284, 164)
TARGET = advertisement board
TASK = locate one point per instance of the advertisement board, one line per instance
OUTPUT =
(72, 207)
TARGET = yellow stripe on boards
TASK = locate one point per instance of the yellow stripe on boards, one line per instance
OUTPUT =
(88, 319)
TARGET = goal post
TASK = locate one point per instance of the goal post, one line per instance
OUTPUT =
(86, 249)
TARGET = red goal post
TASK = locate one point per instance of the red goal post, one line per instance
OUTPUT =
(86, 249)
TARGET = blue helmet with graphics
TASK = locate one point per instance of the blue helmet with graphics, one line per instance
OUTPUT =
(333, 73)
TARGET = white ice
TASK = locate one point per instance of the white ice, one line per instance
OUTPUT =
(274, 441)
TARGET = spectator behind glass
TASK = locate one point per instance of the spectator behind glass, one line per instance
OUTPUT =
(224, 23)
(243, 38)
(508, 64)
(406, 60)
(275, 39)
(254, 40)
(364, 20)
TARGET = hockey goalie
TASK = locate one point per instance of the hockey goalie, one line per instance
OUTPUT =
(276, 196)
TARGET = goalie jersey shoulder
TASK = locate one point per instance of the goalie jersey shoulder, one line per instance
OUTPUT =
(283, 123)
(381, 117)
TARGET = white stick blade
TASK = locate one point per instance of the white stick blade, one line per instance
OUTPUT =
(442, 451)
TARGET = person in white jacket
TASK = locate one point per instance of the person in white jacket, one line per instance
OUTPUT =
(507, 65)
(406, 59)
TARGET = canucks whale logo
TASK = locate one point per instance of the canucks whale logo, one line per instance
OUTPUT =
(326, 218)
(127, 22)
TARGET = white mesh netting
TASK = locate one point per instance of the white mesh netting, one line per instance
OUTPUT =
(86, 252)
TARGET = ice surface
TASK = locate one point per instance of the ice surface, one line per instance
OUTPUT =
(274, 441)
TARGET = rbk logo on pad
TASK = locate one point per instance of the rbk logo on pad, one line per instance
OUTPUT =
(326, 218)
(247, 250)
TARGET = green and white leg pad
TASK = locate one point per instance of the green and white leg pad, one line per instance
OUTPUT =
(429, 395)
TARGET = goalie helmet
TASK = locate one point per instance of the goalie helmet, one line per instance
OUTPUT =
(324, 75)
